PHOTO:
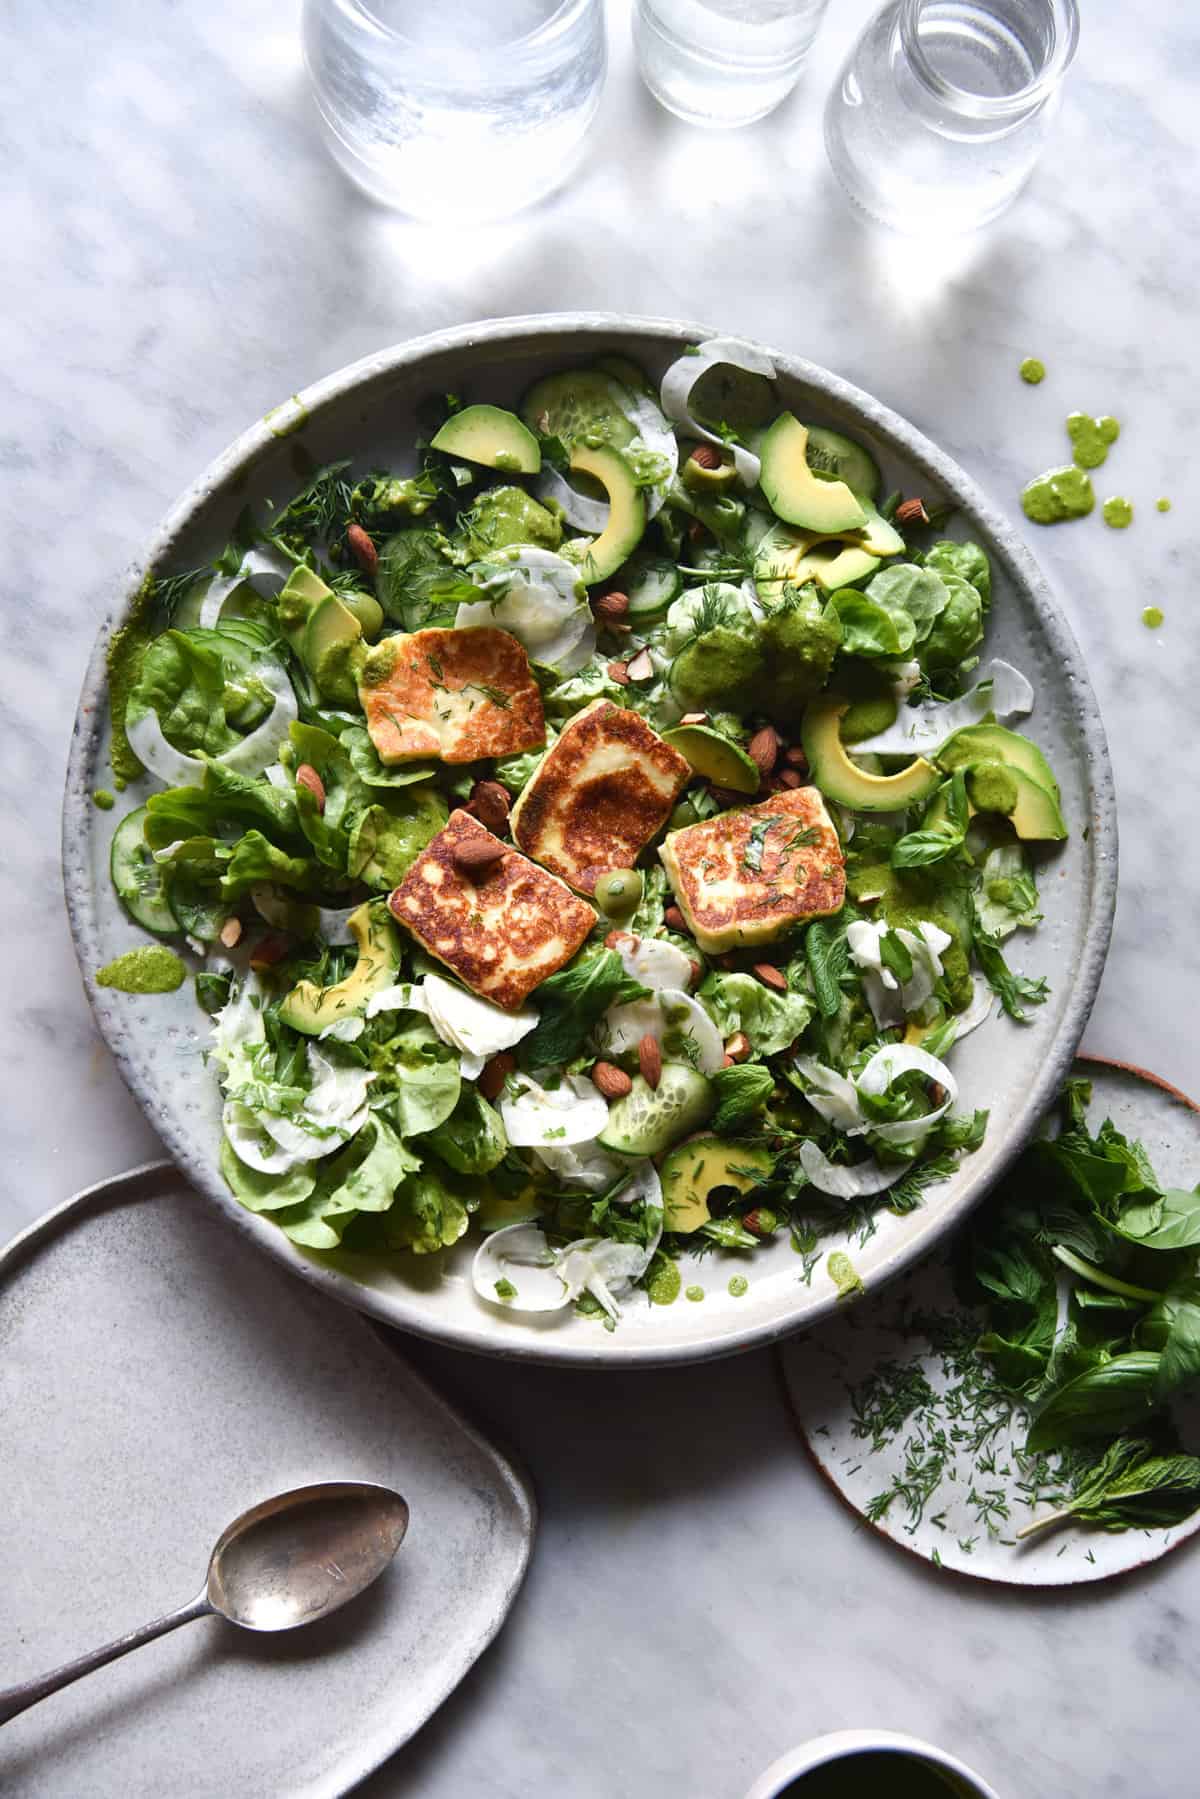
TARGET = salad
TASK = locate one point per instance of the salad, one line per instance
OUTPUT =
(595, 838)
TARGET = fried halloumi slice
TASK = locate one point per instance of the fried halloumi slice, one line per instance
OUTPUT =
(601, 793)
(456, 695)
(747, 876)
(502, 928)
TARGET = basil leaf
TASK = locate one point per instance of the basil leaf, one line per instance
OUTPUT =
(572, 1002)
(1172, 1221)
(1110, 1397)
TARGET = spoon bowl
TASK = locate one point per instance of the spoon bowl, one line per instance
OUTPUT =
(297, 1557)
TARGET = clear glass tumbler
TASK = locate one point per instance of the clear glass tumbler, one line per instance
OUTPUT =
(723, 62)
(942, 108)
(456, 110)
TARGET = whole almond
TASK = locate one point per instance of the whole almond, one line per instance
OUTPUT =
(362, 549)
(697, 969)
(912, 512)
(694, 718)
(726, 1061)
(770, 976)
(490, 804)
(610, 608)
(269, 949)
(619, 673)
(475, 855)
(706, 456)
(307, 776)
(795, 757)
(231, 932)
(610, 1080)
(789, 779)
(737, 1048)
(640, 667)
(675, 919)
(650, 1060)
(763, 749)
(495, 1072)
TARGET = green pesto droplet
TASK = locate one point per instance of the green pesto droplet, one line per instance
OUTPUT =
(665, 1282)
(738, 1284)
(1060, 493)
(103, 799)
(1033, 370)
(1118, 512)
(1152, 617)
(1163, 505)
(694, 1293)
(157, 970)
(1091, 437)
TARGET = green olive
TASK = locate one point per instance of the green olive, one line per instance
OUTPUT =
(685, 814)
(700, 478)
(619, 892)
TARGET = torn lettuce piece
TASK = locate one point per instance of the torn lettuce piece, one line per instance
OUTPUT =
(770, 1020)
(1000, 691)
(1007, 899)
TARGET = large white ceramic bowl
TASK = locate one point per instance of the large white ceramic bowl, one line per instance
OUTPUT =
(367, 412)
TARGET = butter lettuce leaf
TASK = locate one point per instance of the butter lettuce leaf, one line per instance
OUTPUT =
(770, 1020)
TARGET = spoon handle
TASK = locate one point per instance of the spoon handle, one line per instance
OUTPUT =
(20, 1698)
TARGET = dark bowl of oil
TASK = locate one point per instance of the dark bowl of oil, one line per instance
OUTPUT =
(869, 1764)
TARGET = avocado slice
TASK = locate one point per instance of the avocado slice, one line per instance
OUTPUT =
(312, 1009)
(1036, 817)
(834, 565)
(332, 651)
(794, 492)
(877, 537)
(693, 1171)
(715, 757)
(492, 437)
(840, 779)
(993, 743)
(1001, 787)
(626, 510)
(834, 454)
(299, 597)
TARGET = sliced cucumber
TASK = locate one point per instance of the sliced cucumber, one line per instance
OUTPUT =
(649, 1119)
(138, 878)
(628, 373)
(715, 757)
(199, 911)
(651, 584)
(580, 406)
(829, 453)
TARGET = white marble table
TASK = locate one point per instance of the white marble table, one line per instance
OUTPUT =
(179, 256)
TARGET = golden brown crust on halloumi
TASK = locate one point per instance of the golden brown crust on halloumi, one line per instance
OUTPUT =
(749, 875)
(456, 695)
(601, 793)
(502, 931)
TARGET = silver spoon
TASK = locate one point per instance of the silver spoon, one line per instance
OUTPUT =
(289, 1561)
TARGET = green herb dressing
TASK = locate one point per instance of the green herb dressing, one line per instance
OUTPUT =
(103, 799)
(738, 1284)
(665, 1283)
(1059, 494)
(1033, 370)
(149, 970)
(694, 1293)
(1152, 617)
(1090, 438)
(1163, 505)
(1118, 512)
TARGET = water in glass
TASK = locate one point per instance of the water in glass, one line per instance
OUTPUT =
(461, 111)
(942, 108)
(723, 62)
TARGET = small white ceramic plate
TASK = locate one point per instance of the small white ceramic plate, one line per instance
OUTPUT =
(968, 1523)
(155, 1380)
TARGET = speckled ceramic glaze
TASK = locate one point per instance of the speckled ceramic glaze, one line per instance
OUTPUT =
(820, 1372)
(195, 1380)
(367, 412)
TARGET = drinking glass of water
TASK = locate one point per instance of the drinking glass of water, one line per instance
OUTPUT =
(723, 62)
(455, 109)
(943, 107)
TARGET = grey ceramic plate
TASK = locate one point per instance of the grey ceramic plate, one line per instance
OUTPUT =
(155, 1380)
(367, 412)
(968, 1524)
